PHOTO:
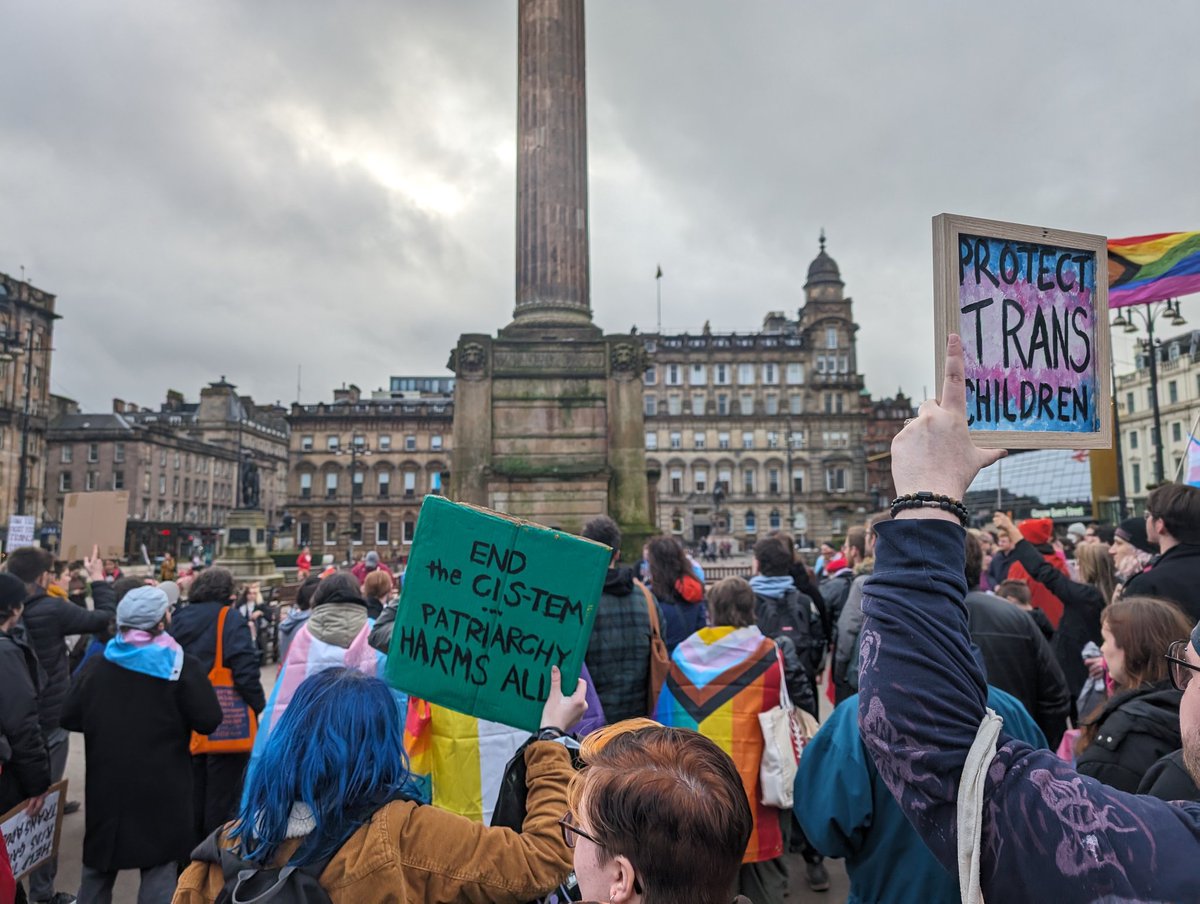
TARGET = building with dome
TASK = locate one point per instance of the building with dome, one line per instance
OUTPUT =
(752, 432)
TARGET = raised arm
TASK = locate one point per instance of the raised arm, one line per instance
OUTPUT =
(1048, 833)
(1072, 593)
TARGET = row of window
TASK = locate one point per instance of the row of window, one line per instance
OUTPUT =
(383, 442)
(748, 522)
(383, 484)
(748, 374)
(836, 480)
(1172, 395)
(1176, 435)
(197, 464)
(331, 535)
(723, 404)
(830, 439)
(92, 481)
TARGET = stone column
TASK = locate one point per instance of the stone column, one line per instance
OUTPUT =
(552, 208)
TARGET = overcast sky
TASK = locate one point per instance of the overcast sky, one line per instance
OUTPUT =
(240, 188)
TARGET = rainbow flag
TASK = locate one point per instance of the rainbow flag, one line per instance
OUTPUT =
(720, 680)
(457, 760)
(1153, 267)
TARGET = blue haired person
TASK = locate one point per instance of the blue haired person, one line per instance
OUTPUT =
(1014, 823)
(332, 792)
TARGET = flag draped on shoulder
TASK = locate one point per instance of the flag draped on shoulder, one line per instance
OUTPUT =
(720, 680)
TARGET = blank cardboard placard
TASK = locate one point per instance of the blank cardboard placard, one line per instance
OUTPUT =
(32, 840)
(489, 604)
(1032, 309)
(94, 519)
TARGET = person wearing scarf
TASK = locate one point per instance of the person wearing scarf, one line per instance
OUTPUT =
(137, 705)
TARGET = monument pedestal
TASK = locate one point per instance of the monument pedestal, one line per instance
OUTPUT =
(246, 548)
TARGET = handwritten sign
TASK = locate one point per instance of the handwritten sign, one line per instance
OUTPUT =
(489, 604)
(32, 840)
(20, 531)
(1032, 314)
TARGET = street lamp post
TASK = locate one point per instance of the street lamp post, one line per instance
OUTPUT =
(356, 448)
(1149, 313)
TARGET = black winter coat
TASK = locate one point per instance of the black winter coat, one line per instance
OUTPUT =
(1134, 731)
(1017, 659)
(618, 653)
(1168, 779)
(25, 763)
(48, 621)
(136, 731)
(681, 620)
(1175, 575)
(195, 627)
(1080, 622)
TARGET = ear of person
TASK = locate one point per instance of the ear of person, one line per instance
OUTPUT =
(934, 452)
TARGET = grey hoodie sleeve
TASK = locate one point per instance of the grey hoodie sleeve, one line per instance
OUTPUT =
(381, 634)
(848, 628)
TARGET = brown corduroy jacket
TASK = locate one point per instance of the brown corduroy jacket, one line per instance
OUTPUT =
(409, 853)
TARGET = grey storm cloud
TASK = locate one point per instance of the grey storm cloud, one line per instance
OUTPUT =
(245, 188)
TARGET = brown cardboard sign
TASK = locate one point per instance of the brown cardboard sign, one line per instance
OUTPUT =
(32, 840)
(94, 519)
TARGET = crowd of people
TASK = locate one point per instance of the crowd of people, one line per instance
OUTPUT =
(1013, 718)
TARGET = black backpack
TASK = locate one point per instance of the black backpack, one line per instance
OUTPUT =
(252, 883)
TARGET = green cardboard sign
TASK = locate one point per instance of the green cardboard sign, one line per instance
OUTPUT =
(489, 604)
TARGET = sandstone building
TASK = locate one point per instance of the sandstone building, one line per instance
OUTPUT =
(751, 432)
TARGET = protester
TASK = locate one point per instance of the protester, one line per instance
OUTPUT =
(1039, 532)
(826, 553)
(304, 564)
(1002, 560)
(679, 592)
(336, 634)
(1016, 656)
(1019, 594)
(112, 571)
(804, 578)
(1131, 551)
(846, 811)
(783, 612)
(297, 615)
(167, 570)
(849, 624)
(377, 590)
(217, 777)
(1168, 779)
(48, 622)
(618, 653)
(656, 814)
(1082, 600)
(1173, 522)
(333, 788)
(721, 679)
(1045, 834)
(24, 759)
(369, 563)
(1140, 723)
(137, 706)
(840, 577)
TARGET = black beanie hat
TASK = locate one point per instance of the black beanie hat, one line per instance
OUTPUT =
(12, 594)
(1133, 531)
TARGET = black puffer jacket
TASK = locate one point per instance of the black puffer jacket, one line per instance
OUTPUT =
(1168, 779)
(24, 762)
(1175, 576)
(1134, 731)
(48, 621)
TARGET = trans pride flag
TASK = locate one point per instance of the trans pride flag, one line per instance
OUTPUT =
(1192, 476)
(1153, 267)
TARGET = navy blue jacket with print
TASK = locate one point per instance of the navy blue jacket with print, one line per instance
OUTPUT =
(1049, 834)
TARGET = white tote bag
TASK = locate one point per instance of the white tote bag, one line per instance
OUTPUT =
(785, 732)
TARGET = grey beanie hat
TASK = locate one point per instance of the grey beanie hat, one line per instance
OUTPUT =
(142, 608)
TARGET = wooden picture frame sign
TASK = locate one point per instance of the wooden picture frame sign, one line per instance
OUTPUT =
(1031, 305)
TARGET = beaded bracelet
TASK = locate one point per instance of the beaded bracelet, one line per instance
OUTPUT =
(925, 499)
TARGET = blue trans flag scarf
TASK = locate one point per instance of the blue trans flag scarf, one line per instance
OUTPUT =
(158, 656)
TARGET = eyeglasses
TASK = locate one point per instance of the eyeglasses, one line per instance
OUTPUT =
(1181, 670)
(570, 828)
(1149, 514)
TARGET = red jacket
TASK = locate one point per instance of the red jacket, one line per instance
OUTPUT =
(1039, 532)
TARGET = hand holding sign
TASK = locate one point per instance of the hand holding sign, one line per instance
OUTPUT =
(563, 712)
(934, 452)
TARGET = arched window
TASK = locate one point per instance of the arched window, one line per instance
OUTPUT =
(774, 519)
(677, 522)
(751, 522)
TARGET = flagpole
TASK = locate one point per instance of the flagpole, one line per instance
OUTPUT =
(658, 292)
(1188, 449)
